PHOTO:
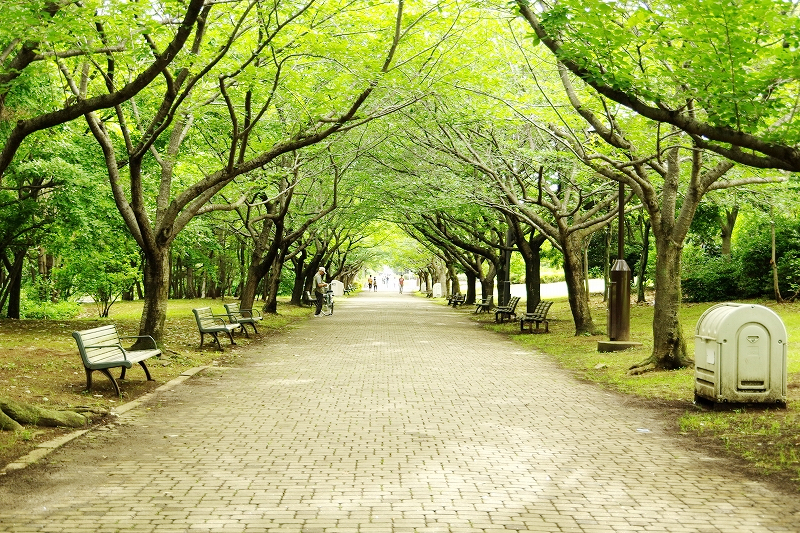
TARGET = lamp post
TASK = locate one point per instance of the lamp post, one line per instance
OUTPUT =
(619, 295)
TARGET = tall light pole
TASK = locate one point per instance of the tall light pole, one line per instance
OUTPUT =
(619, 295)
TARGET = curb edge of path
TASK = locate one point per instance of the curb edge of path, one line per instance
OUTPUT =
(45, 448)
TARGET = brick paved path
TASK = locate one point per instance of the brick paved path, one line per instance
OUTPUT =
(393, 415)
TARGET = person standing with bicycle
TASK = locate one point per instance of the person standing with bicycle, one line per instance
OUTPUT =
(319, 289)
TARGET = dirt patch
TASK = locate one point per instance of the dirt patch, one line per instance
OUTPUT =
(40, 365)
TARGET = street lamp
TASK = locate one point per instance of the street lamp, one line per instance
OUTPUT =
(619, 294)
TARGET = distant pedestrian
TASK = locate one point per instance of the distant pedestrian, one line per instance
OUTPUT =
(369, 282)
(375, 284)
(400, 282)
(319, 289)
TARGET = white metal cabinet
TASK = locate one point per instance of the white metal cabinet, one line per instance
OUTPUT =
(740, 355)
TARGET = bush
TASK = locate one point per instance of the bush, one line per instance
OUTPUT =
(709, 279)
(753, 251)
(48, 310)
(287, 283)
(552, 278)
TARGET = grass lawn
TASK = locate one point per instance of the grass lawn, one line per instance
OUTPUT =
(767, 438)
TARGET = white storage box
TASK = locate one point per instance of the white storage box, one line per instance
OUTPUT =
(740, 355)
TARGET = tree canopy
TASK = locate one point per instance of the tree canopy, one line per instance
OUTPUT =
(244, 143)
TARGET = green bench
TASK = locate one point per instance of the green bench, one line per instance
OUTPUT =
(456, 300)
(243, 317)
(538, 316)
(508, 311)
(101, 349)
(211, 324)
(484, 306)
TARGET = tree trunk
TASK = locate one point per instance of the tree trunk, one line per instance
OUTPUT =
(299, 280)
(156, 293)
(504, 268)
(254, 275)
(640, 297)
(18, 413)
(487, 282)
(471, 279)
(273, 283)
(453, 275)
(607, 264)
(576, 288)
(726, 225)
(774, 264)
(15, 284)
(669, 343)
(531, 252)
(190, 289)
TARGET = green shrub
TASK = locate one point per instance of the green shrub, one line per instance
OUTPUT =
(552, 278)
(753, 251)
(709, 279)
(287, 283)
(48, 310)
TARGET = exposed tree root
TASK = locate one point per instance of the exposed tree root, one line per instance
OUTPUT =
(14, 414)
(648, 365)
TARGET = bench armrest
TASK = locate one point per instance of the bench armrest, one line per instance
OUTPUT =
(155, 345)
(249, 312)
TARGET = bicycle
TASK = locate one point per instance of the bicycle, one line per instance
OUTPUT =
(327, 303)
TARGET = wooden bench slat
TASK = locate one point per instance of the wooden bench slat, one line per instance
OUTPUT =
(507, 311)
(538, 316)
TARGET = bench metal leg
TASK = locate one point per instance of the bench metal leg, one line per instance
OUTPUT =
(108, 374)
(146, 371)
(533, 321)
(144, 366)
(216, 339)
(214, 335)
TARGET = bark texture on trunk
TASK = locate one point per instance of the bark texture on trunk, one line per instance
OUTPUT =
(156, 293)
(576, 289)
(669, 342)
(471, 279)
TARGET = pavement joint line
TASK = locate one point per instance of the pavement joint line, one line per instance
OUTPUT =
(44, 448)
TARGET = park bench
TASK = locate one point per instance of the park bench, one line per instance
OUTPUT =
(507, 311)
(243, 317)
(207, 322)
(538, 316)
(456, 299)
(484, 306)
(309, 299)
(101, 349)
(428, 294)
